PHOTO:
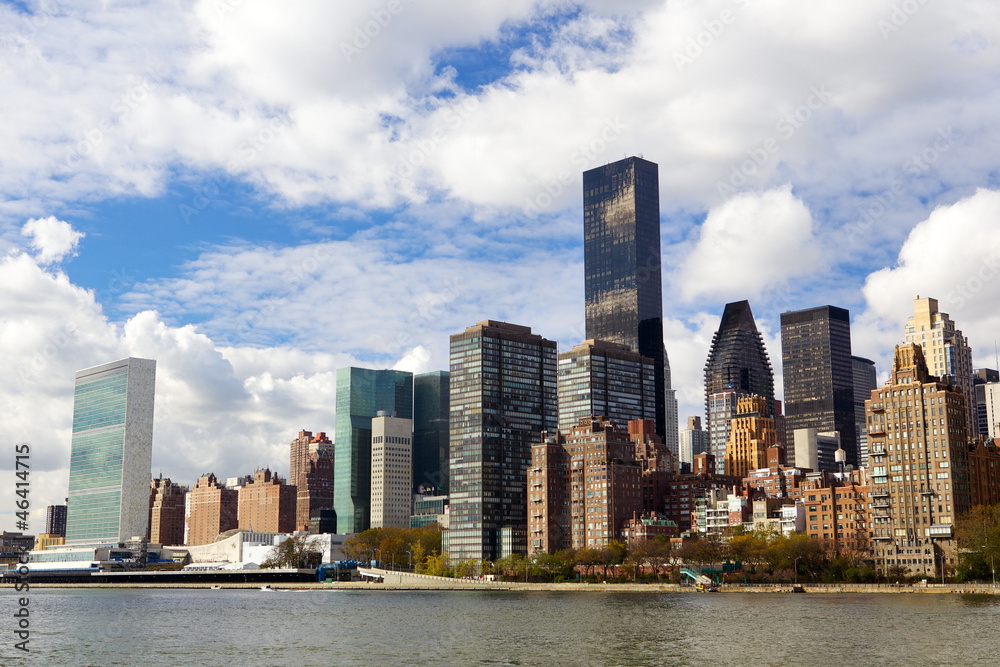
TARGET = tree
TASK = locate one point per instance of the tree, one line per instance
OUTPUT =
(298, 551)
(978, 534)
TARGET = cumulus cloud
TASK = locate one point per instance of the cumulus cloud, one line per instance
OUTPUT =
(953, 256)
(748, 244)
(52, 238)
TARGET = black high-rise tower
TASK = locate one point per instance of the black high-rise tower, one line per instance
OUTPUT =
(624, 294)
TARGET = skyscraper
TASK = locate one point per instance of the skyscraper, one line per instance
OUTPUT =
(503, 395)
(55, 520)
(750, 437)
(865, 379)
(430, 432)
(361, 394)
(112, 452)
(622, 279)
(946, 350)
(606, 379)
(737, 360)
(392, 471)
(819, 374)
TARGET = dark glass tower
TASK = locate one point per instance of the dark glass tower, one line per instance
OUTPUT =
(819, 374)
(502, 396)
(624, 294)
(865, 379)
(430, 432)
(737, 360)
(361, 394)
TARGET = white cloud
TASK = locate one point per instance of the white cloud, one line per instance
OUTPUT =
(953, 256)
(52, 238)
(750, 243)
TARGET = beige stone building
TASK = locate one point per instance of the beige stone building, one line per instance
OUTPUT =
(392, 471)
(946, 350)
(919, 467)
(751, 434)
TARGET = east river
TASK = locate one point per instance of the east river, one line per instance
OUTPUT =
(328, 627)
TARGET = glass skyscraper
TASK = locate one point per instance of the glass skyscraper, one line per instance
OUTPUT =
(622, 281)
(430, 432)
(502, 396)
(737, 360)
(112, 451)
(865, 379)
(598, 378)
(361, 394)
(818, 371)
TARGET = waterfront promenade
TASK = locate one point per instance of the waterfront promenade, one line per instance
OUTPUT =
(381, 580)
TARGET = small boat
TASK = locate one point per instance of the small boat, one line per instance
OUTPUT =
(707, 588)
(267, 587)
(216, 587)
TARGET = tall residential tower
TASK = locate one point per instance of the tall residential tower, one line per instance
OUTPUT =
(503, 395)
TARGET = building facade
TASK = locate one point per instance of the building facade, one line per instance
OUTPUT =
(602, 378)
(980, 378)
(301, 447)
(622, 275)
(946, 350)
(361, 394)
(750, 436)
(583, 487)
(392, 471)
(430, 432)
(920, 470)
(314, 492)
(865, 379)
(166, 512)
(737, 360)
(694, 441)
(818, 373)
(210, 510)
(112, 451)
(55, 520)
(502, 396)
(267, 505)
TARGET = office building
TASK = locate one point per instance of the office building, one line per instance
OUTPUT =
(737, 360)
(430, 433)
(392, 471)
(684, 492)
(166, 512)
(361, 393)
(623, 282)
(314, 489)
(694, 441)
(210, 510)
(980, 378)
(819, 374)
(608, 379)
(584, 487)
(502, 396)
(865, 379)
(721, 411)
(918, 444)
(816, 450)
(946, 350)
(751, 435)
(55, 520)
(429, 511)
(991, 403)
(112, 451)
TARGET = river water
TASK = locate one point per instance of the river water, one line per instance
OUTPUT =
(327, 627)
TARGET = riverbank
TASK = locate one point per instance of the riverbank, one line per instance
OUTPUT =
(459, 585)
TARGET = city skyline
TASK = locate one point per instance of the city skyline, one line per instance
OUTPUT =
(188, 200)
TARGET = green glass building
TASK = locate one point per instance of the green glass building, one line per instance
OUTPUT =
(361, 394)
(111, 453)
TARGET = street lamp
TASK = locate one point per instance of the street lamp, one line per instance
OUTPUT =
(411, 559)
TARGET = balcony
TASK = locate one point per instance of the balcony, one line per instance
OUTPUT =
(878, 407)
(876, 429)
(882, 538)
(881, 504)
(881, 492)
(877, 450)
(940, 531)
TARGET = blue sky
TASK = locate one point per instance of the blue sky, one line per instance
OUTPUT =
(257, 195)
